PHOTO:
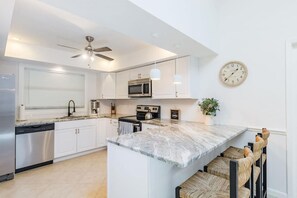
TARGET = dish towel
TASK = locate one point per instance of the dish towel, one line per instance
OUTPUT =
(125, 128)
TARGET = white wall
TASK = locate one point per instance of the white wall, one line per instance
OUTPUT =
(253, 32)
(195, 18)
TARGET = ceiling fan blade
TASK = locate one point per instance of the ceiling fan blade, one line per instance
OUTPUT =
(68, 47)
(76, 56)
(102, 49)
(104, 57)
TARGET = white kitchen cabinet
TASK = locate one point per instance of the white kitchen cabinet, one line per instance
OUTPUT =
(65, 142)
(141, 72)
(86, 138)
(187, 68)
(122, 79)
(101, 132)
(164, 88)
(107, 85)
(74, 136)
(112, 129)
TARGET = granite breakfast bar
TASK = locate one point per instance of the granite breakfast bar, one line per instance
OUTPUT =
(151, 163)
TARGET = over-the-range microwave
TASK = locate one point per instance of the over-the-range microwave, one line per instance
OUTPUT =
(140, 88)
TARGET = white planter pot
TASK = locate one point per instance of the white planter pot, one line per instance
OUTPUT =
(209, 120)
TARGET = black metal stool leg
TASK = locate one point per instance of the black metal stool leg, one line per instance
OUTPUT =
(259, 189)
(265, 174)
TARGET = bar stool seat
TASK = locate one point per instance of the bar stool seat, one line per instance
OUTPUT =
(205, 185)
(220, 167)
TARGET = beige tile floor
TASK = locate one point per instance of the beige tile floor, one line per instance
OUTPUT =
(82, 177)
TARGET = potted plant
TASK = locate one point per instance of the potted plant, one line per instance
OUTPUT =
(209, 108)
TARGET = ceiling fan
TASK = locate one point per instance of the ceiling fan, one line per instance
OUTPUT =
(90, 51)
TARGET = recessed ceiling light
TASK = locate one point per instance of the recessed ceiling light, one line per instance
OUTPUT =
(15, 38)
(155, 35)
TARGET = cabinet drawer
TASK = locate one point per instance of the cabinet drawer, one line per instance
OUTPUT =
(75, 124)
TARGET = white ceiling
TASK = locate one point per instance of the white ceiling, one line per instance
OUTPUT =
(37, 23)
(135, 36)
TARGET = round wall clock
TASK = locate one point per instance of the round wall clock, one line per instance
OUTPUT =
(233, 73)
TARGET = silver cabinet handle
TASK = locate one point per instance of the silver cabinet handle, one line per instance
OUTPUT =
(78, 131)
(75, 131)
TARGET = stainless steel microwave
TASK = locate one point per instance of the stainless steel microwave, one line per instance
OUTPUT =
(140, 88)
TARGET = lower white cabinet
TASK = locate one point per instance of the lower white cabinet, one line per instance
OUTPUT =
(101, 132)
(86, 138)
(112, 128)
(65, 142)
(74, 137)
(107, 128)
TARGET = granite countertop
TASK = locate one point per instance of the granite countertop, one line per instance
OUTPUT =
(178, 142)
(64, 119)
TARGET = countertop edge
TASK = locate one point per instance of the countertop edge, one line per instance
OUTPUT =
(172, 162)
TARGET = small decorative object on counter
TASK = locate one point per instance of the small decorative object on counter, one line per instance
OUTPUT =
(209, 108)
(113, 109)
(174, 114)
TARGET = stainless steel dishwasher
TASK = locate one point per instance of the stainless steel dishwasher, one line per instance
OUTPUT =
(34, 146)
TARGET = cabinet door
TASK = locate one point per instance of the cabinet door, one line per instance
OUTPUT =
(106, 84)
(164, 88)
(86, 138)
(182, 69)
(141, 72)
(65, 142)
(122, 84)
(101, 132)
(112, 128)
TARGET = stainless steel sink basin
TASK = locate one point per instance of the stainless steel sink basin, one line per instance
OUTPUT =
(72, 117)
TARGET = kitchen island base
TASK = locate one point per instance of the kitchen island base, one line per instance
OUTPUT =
(136, 175)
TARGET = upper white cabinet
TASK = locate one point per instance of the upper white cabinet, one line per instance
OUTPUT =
(107, 85)
(141, 72)
(164, 88)
(122, 84)
(187, 68)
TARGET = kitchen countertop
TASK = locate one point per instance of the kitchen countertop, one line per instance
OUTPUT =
(178, 142)
(63, 119)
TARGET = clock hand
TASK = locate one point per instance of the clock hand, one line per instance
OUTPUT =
(231, 74)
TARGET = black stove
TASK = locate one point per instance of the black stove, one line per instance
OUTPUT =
(135, 121)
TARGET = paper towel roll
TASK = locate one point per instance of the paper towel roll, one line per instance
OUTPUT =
(22, 112)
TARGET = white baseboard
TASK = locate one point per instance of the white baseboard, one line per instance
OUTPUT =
(78, 154)
(276, 194)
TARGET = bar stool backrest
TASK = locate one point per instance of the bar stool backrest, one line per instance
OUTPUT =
(265, 136)
(245, 166)
(257, 147)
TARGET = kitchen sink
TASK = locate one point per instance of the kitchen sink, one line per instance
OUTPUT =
(73, 117)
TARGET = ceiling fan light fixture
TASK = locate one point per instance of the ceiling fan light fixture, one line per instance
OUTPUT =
(85, 56)
(92, 58)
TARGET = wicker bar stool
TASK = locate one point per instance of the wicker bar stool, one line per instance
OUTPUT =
(265, 135)
(206, 185)
(236, 153)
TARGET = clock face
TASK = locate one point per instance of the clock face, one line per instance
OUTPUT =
(233, 73)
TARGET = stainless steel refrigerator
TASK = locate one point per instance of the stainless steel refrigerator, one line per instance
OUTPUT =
(7, 127)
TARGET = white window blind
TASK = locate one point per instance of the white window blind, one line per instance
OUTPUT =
(46, 89)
